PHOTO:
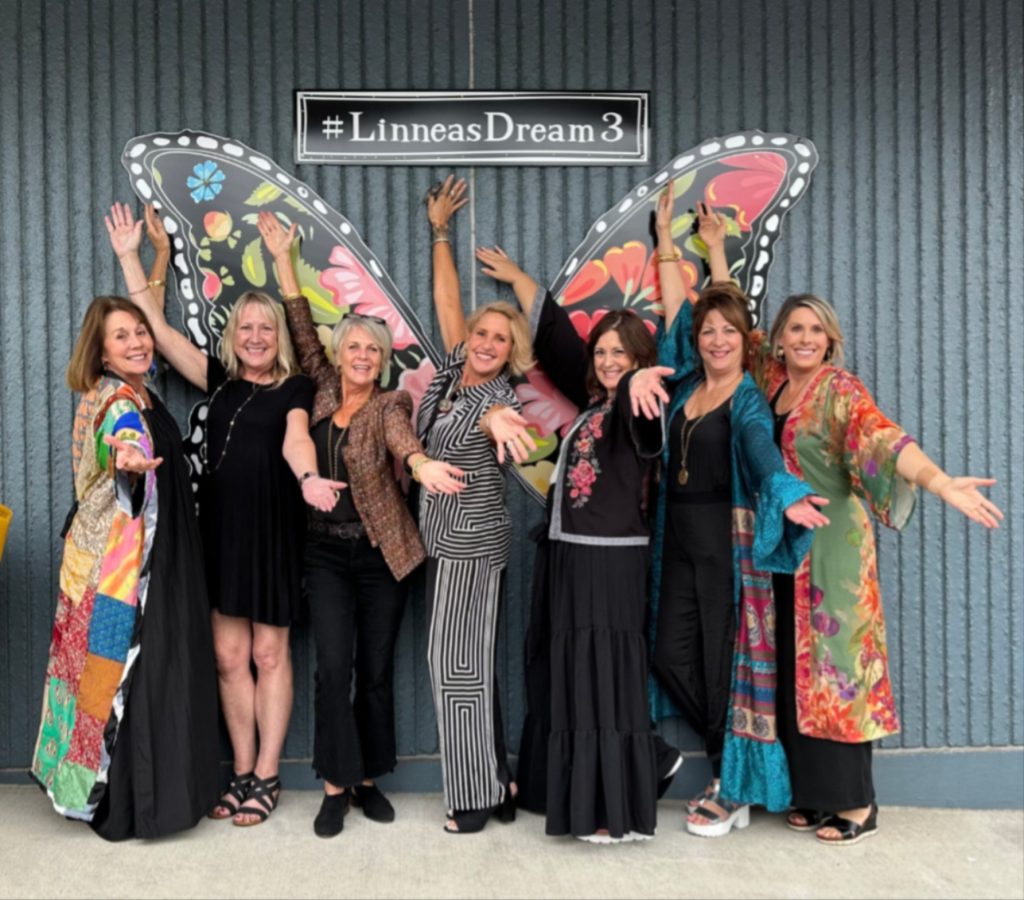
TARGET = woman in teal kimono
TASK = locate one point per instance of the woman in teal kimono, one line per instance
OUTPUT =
(728, 514)
(835, 694)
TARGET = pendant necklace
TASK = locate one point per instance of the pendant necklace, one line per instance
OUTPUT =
(685, 438)
(449, 398)
(333, 451)
(231, 424)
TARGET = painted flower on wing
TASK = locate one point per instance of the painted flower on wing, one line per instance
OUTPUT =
(218, 225)
(591, 277)
(748, 186)
(212, 285)
(206, 181)
(352, 285)
(416, 381)
(544, 407)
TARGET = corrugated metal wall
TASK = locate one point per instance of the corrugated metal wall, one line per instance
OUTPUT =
(912, 226)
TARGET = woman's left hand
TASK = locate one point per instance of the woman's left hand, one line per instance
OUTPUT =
(155, 230)
(124, 232)
(805, 512)
(322, 493)
(129, 458)
(439, 477)
(277, 241)
(962, 493)
(646, 389)
(508, 430)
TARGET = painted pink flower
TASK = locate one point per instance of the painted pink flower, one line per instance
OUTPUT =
(211, 285)
(749, 186)
(588, 280)
(416, 381)
(584, 323)
(544, 407)
(351, 285)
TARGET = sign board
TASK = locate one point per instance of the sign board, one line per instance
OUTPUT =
(471, 127)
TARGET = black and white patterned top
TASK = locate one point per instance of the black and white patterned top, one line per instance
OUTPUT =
(474, 522)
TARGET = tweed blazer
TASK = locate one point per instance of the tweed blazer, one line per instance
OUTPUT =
(379, 433)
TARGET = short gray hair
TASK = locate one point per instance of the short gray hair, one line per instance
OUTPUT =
(379, 331)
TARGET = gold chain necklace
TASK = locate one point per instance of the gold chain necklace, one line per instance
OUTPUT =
(334, 449)
(231, 424)
(686, 436)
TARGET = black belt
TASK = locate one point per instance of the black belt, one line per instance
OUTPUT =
(346, 531)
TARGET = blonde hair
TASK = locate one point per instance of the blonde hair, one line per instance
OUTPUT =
(379, 331)
(834, 355)
(285, 365)
(86, 364)
(520, 358)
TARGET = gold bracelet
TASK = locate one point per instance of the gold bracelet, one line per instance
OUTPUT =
(440, 240)
(297, 295)
(674, 256)
(416, 468)
(140, 290)
(157, 282)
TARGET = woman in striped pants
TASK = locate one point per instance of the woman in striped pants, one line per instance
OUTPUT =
(467, 536)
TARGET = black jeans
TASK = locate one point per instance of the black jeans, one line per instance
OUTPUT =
(696, 619)
(356, 607)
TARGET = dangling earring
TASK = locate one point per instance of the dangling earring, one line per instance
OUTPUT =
(780, 354)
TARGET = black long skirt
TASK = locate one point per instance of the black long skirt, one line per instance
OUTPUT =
(826, 775)
(601, 753)
(163, 774)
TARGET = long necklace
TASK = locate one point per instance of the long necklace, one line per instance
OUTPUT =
(231, 424)
(686, 436)
(334, 450)
(450, 396)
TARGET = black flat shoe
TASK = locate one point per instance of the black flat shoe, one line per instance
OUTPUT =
(850, 832)
(331, 818)
(374, 804)
(471, 821)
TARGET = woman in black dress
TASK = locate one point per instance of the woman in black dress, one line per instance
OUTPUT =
(252, 521)
(603, 760)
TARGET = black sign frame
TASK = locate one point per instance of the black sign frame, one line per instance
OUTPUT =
(633, 147)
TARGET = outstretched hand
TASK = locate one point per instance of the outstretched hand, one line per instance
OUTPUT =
(444, 200)
(124, 232)
(155, 230)
(277, 241)
(805, 512)
(711, 227)
(962, 493)
(439, 477)
(498, 265)
(322, 493)
(509, 432)
(646, 389)
(128, 457)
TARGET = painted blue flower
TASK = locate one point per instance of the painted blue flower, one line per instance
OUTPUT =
(205, 181)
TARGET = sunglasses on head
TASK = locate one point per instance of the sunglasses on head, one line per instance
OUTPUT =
(377, 319)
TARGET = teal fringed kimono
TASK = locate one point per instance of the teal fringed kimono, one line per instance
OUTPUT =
(754, 766)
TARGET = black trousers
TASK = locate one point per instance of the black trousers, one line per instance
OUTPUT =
(356, 607)
(826, 775)
(696, 618)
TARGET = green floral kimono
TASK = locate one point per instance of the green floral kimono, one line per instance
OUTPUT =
(838, 441)
(103, 583)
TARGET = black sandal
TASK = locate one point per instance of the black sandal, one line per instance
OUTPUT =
(238, 792)
(813, 819)
(850, 832)
(262, 800)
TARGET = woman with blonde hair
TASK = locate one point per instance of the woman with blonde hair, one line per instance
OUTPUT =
(360, 553)
(468, 535)
(256, 448)
(131, 657)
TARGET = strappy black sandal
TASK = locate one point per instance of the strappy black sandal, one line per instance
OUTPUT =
(813, 819)
(232, 799)
(850, 832)
(262, 800)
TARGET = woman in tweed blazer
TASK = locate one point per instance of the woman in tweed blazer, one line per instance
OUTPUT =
(358, 553)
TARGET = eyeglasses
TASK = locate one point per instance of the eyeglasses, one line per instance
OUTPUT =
(377, 319)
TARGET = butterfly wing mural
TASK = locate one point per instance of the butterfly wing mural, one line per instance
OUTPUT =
(752, 179)
(209, 191)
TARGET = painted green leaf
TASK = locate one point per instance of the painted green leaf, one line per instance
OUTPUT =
(253, 267)
(291, 201)
(682, 184)
(265, 193)
(682, 224)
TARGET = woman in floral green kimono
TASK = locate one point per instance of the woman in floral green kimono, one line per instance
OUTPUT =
(835, 695)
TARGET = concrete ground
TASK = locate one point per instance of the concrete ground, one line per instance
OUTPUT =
(917, 853)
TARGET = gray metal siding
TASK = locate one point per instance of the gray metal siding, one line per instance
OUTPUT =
(912, 226)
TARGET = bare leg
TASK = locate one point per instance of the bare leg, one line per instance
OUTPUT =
(232, 642)
(273, 698)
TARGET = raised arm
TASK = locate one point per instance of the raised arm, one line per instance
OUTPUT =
(442, 204)
(161, 242)
(496, 263)
(125, 237)
(711, 230)
(959, 492)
